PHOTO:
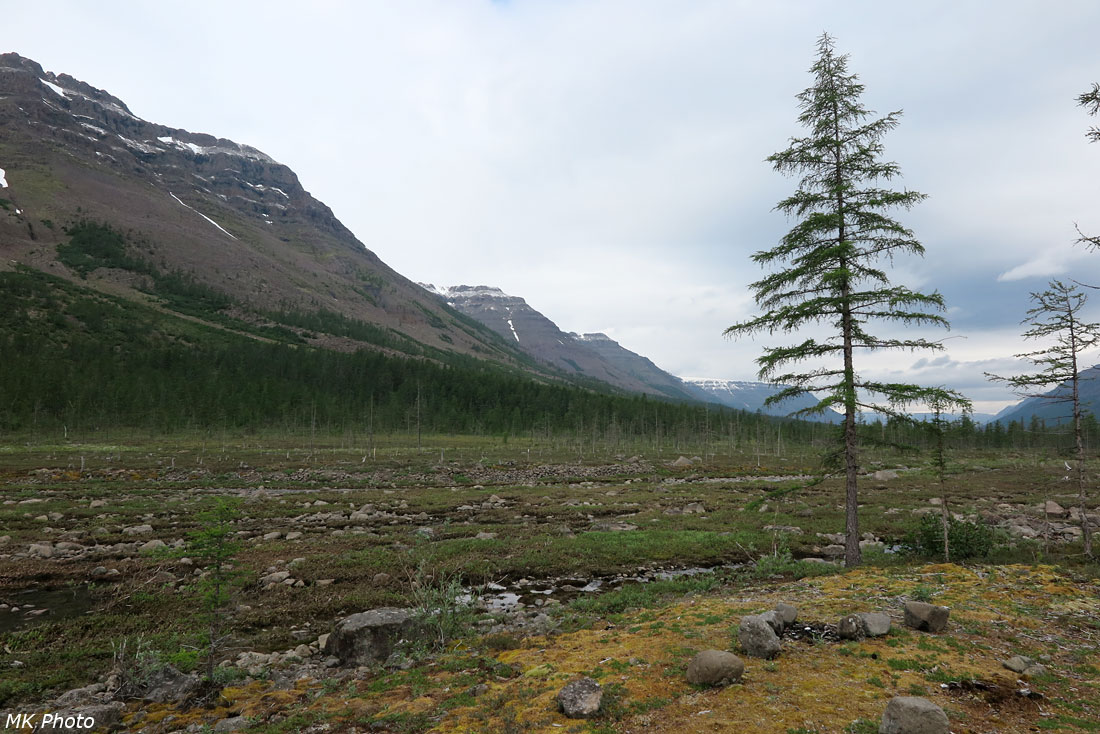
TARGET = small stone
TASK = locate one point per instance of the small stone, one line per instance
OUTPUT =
(273, 535)
(883, 475)
(325, 582)
(231, 724)
(714, 668)
(382, 578)
(138, 530)
(151, 545)
(580, 699)
(485, 536)
(294, 535)
(1032, 671)
(913, 715)
(925, 617)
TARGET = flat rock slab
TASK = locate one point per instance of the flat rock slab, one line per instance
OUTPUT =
(580, 699)
(925, 617)
(369, 637)
(913, 715)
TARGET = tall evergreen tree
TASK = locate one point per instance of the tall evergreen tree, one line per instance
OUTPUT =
(828, 267)
(1056, 316)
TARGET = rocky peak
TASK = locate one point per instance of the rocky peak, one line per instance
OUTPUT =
(93, 124)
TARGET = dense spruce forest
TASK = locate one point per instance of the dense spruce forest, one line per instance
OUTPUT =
(77, 360)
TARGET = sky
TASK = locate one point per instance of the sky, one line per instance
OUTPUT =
(605, 159)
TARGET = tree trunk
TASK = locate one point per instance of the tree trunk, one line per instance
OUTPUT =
(1086, 530)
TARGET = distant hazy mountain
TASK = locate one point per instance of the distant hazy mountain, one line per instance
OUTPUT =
(1052, 412)
(594, 356)
(748, 395)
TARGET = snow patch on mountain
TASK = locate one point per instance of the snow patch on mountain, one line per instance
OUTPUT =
(3, 180)
(55, 88)
(513, 328)
(201, 214)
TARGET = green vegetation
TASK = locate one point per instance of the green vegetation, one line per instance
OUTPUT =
(827, 269)
(967, 540)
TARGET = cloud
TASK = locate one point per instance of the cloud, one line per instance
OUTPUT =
(605, 159)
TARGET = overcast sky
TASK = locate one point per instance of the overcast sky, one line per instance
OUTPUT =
(605, 159)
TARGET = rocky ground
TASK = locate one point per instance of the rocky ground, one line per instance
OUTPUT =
(97, 566)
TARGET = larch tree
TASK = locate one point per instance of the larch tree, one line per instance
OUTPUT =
(1090, 100)
(1056, 319)
(828, 269)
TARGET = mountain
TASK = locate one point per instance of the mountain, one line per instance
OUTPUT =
(747, 395)
(1053, 412)
(593, 356)
(190, 210)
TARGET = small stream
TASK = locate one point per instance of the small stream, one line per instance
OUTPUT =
(524, 592)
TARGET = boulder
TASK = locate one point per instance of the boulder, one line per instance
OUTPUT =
(774, 620)
(875, 624)
(883, 475)
(580, 699)
(787, 612)
(137, 530)
(925, 617)
(715, 668)
(369, 637)
(913, 715)
(1053, 509)
(682, 461)
(1018, 663)
(757, 637)
(168, 685)
(41, 550)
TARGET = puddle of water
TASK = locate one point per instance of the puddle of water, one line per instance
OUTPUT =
(30, 606)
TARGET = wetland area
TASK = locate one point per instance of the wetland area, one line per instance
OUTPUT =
(529, 567)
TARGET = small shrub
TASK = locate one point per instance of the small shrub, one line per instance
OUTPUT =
(966, 539)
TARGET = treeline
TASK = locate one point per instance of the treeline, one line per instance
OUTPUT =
(78, 358)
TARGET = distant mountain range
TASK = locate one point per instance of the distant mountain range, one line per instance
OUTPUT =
(600, 357)
(1053, 412)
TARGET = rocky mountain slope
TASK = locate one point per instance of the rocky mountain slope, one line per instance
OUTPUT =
(1054, 412)
(594, 356)
(203, 208)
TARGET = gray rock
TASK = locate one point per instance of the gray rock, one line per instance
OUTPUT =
(151, 545)
(168, 685)
(850, 628)
(875, 624)
(41, 550)
(925, 617)
(580, 699)
(274, 578)
(715, 668)
(682, 461)
(883, 475)
(369, 637)
(757, 637)
(1018, 663)
(137, 530)
(787, 612)
(1033, 670)
(774, 620)
(231, 724)
(913, 715)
